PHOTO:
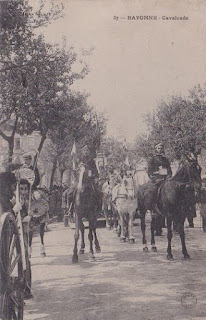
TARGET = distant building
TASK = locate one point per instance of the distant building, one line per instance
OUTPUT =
(22, 144)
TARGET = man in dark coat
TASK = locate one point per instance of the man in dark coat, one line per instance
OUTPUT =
(159, 166)
(91, 176)
(158, 170)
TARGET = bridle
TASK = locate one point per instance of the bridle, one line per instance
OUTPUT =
(132, 189)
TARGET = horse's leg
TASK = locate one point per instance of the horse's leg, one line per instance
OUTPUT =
(76, 238)
(153, 223)
(169, 238)
(41, 232)
(126, 221)
(122, 223)
(90, 237)
(81, 226)
(115, 220)
(182, 237)
(130, 227)
(110, 218)
(106, 214)
(97, 246)
(143, 228)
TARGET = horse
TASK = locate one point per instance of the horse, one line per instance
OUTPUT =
(86, 205)
(171, 202)
(126, 205)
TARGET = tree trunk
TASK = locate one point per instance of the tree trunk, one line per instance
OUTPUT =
(43, 138)
(10, 139)
(61, 176)
(53, 172)
(11, 148)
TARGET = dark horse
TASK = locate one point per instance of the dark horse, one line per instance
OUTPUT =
(171, 201)
(86, 205)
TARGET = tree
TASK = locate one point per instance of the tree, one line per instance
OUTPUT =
(18, 22)
(117, 151)
(36, 76)
(179, 123)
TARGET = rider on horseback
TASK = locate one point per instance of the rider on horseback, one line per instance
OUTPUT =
(91, 176)
(159, 166)
(158, 170)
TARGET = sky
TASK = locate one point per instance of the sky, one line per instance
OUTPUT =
(135, 63)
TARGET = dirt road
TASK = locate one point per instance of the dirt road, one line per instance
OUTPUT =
(123, 283)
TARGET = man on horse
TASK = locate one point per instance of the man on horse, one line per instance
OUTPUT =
(159, 166)
(158, 170)
(91, 176)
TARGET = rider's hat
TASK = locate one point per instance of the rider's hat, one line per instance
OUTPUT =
(159, 144)
(27, 156)
(85, 147)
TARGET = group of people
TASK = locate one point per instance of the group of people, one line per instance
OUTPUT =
(31, 202)
(158, 170)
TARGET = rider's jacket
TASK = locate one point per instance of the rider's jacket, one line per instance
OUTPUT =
(91, 173)
(159, 167)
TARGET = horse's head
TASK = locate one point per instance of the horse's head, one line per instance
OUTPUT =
(190, 173)
(129, 185)
(106, 188)
(194, 173)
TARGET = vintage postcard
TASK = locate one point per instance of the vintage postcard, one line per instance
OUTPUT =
(103, 161)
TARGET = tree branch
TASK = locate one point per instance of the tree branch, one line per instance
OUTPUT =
(4, 136)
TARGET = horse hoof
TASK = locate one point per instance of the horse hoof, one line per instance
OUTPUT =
(43, 254)
(145, 249)
(115, 230)
(170, 257)
(154, 249)
(75, 259)
(108, 227)
(81, 251)
(92, 258)
(186, 257)
(98, 250)
(131, 241)
(118, 234)
(122, 239)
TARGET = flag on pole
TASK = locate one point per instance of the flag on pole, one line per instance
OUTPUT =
(74, 156)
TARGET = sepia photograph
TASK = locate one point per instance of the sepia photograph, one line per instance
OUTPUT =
(102, 159)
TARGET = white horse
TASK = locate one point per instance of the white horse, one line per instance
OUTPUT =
(125, 195)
